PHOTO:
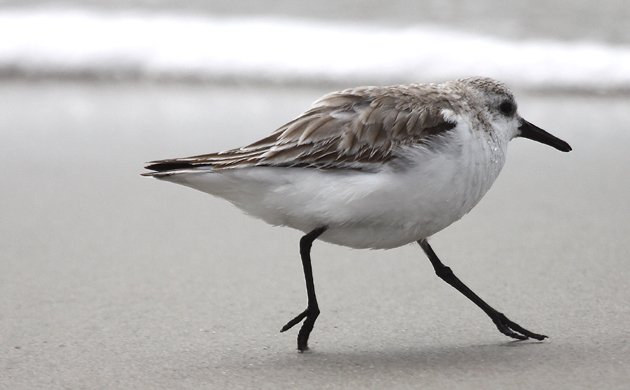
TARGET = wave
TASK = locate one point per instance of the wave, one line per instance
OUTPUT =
(71, 43)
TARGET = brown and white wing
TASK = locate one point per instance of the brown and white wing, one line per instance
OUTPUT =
(353, 129)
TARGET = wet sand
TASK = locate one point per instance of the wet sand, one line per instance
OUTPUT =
(112, 280)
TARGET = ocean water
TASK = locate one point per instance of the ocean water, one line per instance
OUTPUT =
(557, 45)
(604, 20)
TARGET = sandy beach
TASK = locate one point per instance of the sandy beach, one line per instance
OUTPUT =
(112, 280)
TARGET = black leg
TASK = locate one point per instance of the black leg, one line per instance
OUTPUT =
(504, 325)
(312, 309)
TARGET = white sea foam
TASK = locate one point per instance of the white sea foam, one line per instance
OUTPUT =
(106, 44)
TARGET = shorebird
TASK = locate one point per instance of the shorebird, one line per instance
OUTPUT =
(372, 167)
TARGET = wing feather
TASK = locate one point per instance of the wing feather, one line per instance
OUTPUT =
(360, 128)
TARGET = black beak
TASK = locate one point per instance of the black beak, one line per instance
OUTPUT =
(535, 133)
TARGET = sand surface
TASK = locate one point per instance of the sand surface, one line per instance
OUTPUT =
(112, 280)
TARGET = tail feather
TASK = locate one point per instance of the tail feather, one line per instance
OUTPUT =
(170, 167)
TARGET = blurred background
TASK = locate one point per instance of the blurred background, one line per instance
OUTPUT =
(572, 45)
(112, 280)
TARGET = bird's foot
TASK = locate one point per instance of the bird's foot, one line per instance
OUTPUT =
(512, 329)
(310, 314)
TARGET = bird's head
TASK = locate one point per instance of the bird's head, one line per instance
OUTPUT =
(502, 109)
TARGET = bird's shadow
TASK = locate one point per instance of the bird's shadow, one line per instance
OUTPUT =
(432, 358)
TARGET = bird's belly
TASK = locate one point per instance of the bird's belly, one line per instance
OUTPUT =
(372, 237)
(396, 208)
(387, 210)
(401, 215)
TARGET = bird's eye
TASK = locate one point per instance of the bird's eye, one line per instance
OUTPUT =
(507, 108)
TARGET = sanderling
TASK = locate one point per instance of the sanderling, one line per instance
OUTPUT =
(372, 167)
